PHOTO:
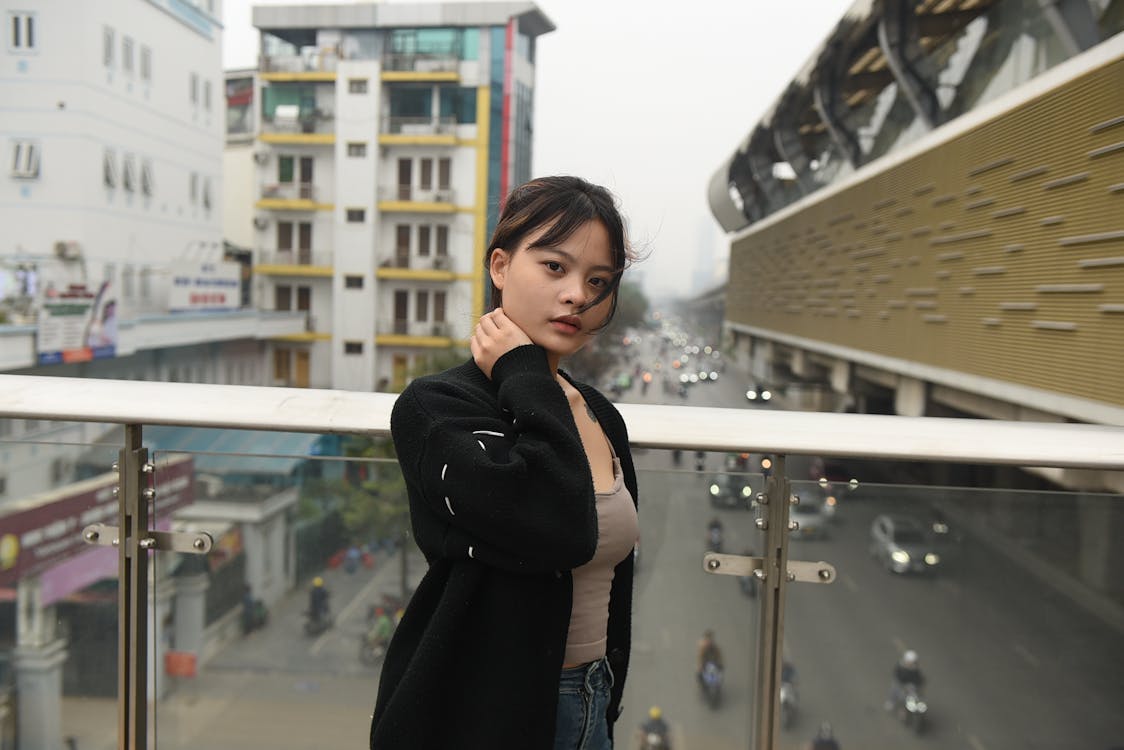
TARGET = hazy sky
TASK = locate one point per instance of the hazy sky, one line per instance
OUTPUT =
(647, 99)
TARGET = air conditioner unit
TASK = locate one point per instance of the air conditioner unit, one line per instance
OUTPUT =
(68, 250)
(261, 157)
(441, 263)
(261, 222)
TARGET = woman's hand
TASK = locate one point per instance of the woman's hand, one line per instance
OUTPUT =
(494, 336)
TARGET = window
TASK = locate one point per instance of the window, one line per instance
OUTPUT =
(285, 169)
(193, 188)
(444, 173)
(357, 85)
(207, 193)
(127, 282)
(304, 298)
(357, 149)
(425, 181)
(3, 485)
(207, 95)
(439, 307)
(284, 236)
(129, 173)
(353, 282)
(442, 240)
(25, 160)
(281, 361)
(22, 25)
(194, 88)
(108, 40)
(147, 184)
(282, 297)
(423, 240)
(109, 168)
(356, 215)
(353, 347)
(127, 54)
(421, 307)
(146, 63)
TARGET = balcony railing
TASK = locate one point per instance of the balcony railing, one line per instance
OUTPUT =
(419, 125)
(297, 257)
(318, 62)
(998, 625)
(303, 122)
(421, 63)
(305, 191)
(416, 194)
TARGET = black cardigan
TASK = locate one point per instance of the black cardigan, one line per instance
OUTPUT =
(502, 505)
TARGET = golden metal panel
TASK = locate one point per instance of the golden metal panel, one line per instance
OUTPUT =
(1017, 227)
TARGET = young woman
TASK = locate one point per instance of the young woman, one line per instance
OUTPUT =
(523, 500)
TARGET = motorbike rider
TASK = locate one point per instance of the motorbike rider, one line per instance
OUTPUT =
(824, 739)
(655, 725)
(318, 600)
(708, 652)
(381, 629)
(906, 672)
(714, 534)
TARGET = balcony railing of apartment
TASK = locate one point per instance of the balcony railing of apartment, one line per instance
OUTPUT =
(403, 260)
(295, 257)
(421, 63)
(419, 125)
(416, 194)
(305, 191)
(303, 121)
(309, 62)
(996, 621)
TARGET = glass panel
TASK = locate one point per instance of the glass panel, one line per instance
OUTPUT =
(241, 656)
(58, 594)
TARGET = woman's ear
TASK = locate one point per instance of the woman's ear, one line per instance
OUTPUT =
(497, 267)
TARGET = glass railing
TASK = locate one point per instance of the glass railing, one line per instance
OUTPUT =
(1006, 594)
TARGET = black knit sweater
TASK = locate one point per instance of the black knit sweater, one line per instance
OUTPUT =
(503, 507)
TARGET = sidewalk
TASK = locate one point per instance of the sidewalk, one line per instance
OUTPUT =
(274, 688)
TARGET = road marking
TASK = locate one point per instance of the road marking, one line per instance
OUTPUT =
(849, 583)
(974, 741)
(1022, 651)
(899, 644)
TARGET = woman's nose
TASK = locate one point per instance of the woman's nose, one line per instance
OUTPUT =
(574, 293)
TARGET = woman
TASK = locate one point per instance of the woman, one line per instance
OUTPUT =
(522, 498)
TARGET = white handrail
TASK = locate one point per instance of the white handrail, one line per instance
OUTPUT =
(981, 441)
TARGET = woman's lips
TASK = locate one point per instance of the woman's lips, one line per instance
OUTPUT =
(568, 324)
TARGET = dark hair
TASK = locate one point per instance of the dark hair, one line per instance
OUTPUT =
(566, 204)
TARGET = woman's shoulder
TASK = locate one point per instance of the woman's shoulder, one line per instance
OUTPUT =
(462, 384)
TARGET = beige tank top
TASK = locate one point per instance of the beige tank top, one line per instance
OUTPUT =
(618, 528)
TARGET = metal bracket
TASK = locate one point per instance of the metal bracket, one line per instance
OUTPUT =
(739, 565)
(196, 543)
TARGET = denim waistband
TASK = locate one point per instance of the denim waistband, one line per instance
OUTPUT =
(596, 674)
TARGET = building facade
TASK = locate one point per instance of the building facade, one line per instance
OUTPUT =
(388, 135)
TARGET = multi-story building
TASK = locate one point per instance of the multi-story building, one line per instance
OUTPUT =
(389, 134)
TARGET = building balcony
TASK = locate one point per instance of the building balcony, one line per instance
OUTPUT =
(423, 131)
(320, 66)
(292, 196)
(416, 199)
(214, 471)
(420, 67)
(294, 263)
(402, 266)
(293, 126)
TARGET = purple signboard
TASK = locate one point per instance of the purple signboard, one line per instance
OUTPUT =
(38, 538)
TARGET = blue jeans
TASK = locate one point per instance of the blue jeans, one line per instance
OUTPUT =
(583, 699)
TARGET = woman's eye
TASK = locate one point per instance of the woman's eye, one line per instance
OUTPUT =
(598, 282)
(554, 265)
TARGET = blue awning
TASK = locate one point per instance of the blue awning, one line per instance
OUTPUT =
(218, 451)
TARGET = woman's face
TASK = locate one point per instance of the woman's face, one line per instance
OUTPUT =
(545, 287)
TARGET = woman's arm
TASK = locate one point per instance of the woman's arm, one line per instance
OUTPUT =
(515, 485)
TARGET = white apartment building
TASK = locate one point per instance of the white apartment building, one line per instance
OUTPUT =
(388, 135)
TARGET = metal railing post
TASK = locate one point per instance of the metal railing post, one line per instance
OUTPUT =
(132, 599)
(772, 519)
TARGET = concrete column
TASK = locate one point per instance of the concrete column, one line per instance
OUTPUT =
(841, 376)
(909, 397)
(191, 612)
(38, 671)
(762, 366)
(799, 363)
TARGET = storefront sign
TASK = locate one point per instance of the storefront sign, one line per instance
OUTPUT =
(205, 286)
(76, 325)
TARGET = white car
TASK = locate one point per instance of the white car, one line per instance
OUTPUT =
(900, 544)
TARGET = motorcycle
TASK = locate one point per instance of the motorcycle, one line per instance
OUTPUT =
(714, 539)
(316, 623)
(911, 709)
(712, 684)
(371, 650)
(254, 616)
(653, 741)
(789, 703)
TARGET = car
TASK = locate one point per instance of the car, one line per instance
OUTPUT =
(900, 543)
(730, 491)
(758, 394)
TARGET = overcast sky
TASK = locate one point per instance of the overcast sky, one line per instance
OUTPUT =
(647, 98)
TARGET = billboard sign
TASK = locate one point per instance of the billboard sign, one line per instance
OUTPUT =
(205, 286)
(76, 325)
